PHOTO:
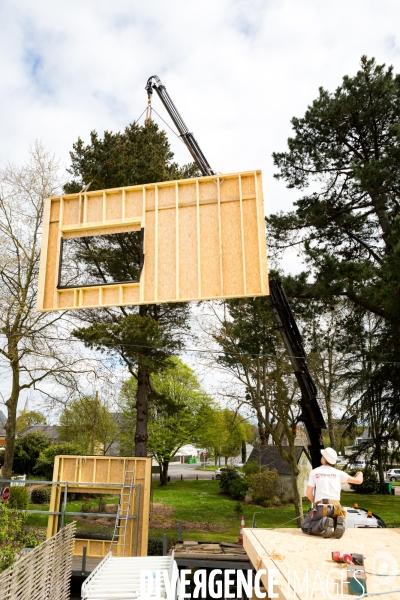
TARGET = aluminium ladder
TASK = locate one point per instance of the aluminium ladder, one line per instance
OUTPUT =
(118, 542)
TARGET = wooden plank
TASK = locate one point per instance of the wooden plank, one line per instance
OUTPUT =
(307, 560)
(204, 239)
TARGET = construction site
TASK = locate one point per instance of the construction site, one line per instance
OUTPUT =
(188, 234)
(199, 335)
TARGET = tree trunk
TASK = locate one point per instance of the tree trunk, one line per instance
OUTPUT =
(298, 504)
(11, 423)
(244, 455)
(331, 423)
(164, 472)
(142, 410)
(381, 472)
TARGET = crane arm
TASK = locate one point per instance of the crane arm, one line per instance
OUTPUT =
(311, 414)
(154, 83)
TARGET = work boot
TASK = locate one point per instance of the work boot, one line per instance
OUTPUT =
(340, 527)
(328, 530)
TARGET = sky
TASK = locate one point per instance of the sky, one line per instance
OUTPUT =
(237, 70)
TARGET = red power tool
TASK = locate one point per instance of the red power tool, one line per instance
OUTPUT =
(347, 557)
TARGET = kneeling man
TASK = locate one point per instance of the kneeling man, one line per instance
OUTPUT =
(327, 517)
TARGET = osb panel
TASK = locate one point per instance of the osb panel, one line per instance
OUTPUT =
(71, 211)
(166, 253)
(209, 239)
(114, 207)
(149, 257)
(188, 273)
(232, 259)
(212, 246)
(130, 295)
(133, 203)
(51, 265)
(252, 256)
(94, 212)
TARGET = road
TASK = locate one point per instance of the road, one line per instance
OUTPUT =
(187, 472)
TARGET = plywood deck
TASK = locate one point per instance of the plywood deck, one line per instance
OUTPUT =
(293, 553)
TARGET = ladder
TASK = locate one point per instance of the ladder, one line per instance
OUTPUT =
(118, 542)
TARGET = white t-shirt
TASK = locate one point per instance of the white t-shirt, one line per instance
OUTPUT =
(327, 482)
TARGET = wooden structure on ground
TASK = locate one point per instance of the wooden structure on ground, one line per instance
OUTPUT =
(197, 239)
(76, 471)
(306, 561)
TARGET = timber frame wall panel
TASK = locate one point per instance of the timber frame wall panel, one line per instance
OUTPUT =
(203, 239)
(78, 470)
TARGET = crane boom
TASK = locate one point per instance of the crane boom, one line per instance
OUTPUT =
(311, 414)
(154, 83)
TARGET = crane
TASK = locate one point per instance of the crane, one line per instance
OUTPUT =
(311, 414)
(155, 83)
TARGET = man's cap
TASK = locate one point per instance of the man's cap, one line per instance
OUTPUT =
(330, 455)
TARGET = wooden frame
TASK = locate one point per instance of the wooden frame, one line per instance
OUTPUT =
(204, 239)
(102, 469)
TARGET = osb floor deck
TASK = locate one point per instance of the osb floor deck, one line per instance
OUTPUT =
(294, 554)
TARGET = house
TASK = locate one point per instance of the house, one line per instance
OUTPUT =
(50, 431)
(3, 420)
(363, 445)
(270, 457)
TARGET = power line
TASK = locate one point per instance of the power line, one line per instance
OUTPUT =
(197, 350)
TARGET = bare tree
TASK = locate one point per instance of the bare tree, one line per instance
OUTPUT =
(33, 346)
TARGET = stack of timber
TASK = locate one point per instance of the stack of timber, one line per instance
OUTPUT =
(303, 566)
(211, 555)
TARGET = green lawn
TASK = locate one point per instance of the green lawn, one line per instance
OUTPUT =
(74, 506)
(201, 501)
(207, 468)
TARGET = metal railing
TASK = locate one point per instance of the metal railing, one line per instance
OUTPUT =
(63, 512)
(43, 573)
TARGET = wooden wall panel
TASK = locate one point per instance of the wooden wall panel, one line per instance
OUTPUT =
(203, 239)
(78, 470)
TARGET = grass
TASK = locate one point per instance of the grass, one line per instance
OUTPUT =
(74, 506)
(201, 501)
(207, 468)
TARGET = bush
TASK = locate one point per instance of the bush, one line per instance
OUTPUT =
(45, 463)
(238, 489)
(228, 477)
(27, 450)
(11, 533)
(40, 495)
(19, 497)
(252, 467)
(370, 485)
(155, 546)
(264, 486)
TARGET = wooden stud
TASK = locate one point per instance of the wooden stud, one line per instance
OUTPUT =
(221, 268)
(242, 234)
(198, 240)
(177, 240)
(156, 246)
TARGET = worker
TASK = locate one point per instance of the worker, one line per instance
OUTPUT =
(327, 517)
